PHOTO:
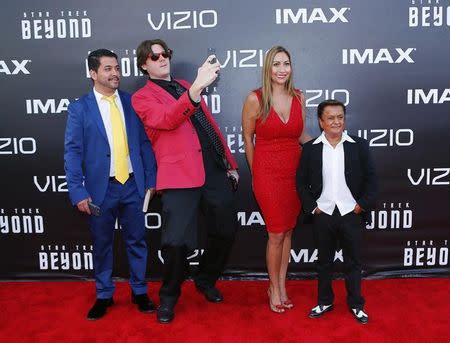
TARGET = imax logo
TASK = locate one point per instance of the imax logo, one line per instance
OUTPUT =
(14, 67)
(183, 20)
(306, 256)
(52, 106)
(435, 96)
(372, 56)
(308, 16)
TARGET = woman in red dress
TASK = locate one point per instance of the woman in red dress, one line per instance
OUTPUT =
(275, 115)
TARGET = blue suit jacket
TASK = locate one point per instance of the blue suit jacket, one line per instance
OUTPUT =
(87, 153)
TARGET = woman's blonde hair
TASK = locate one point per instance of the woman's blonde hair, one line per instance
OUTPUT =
(266, 89)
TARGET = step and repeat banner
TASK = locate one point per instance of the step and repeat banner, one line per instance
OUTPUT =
(388, 61)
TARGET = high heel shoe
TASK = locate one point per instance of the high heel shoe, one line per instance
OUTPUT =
(288, 304)
(277, 308)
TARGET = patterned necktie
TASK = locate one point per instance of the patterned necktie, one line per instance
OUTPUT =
(205, 124)
(120, 144)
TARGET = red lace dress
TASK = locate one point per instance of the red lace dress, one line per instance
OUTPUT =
(275, 162)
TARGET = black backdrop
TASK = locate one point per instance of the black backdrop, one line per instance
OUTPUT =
(388, 61)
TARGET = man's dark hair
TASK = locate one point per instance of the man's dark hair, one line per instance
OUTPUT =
(329, 102)
(145, 48)
(94, 58)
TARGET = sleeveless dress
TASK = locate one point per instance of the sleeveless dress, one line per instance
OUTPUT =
(275, 161)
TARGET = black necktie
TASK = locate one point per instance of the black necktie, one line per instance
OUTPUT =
(205, 124)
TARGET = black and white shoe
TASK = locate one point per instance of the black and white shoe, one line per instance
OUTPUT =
(360, 315)
(319, 310)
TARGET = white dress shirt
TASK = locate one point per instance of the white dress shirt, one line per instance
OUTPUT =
(335, 191)
(104, 107)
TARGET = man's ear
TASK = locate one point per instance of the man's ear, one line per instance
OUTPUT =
(93, 74)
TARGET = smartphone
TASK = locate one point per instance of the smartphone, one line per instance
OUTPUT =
(95, 210)
(233, 182)
(212, 51)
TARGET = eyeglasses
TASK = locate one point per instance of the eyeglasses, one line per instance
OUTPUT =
(155, 56)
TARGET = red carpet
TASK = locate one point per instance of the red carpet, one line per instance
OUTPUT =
(400, 310)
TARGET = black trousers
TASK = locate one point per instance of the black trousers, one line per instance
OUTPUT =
(180, 212)
(348, 230)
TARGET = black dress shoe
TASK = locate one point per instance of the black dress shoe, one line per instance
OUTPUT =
(211, 293)
(144, 304)
(319, 310)
(99, 309)
(360, 315)
(165, 314)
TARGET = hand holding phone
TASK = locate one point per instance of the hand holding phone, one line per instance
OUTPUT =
(212, 51)
(95, 210)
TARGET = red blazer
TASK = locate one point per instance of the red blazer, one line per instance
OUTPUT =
(173, 136)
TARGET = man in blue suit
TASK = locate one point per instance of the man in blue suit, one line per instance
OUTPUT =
(109, 162)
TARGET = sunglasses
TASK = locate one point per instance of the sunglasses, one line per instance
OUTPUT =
(166, 54)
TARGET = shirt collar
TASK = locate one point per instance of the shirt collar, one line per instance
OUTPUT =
(99, 96)
(322, 139)
(162, 83)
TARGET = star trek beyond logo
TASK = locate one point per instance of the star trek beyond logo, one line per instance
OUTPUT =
(127, 61)
(193, 259)
(182, 20)
(233, 137)
(212, 99)
(393, 215)
(311, 256)
(64, 257)
(428, 13)
(427, 253)
(64, 24)
(311, 15)
(21, 221)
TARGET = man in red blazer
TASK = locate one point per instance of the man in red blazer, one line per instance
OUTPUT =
(195, 171)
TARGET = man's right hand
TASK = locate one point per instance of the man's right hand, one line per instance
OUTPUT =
(317, 211)
(206, 75)
(83, 206)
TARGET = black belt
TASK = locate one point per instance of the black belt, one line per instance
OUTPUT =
(113, 178)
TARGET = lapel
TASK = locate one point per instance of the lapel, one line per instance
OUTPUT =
(126, 112)
(161, 93)
(317, 150)
(94, 112)
(349, 151)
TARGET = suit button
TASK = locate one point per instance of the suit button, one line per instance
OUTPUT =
(199, 150)
(108, 155)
